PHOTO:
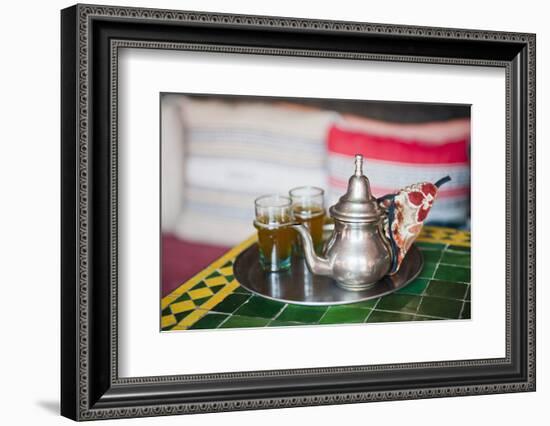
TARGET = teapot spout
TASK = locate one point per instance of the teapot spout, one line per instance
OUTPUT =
(316, 264)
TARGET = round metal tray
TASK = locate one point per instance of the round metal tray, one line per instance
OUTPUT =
(298, 285)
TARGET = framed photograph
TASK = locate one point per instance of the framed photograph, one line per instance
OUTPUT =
(222, 153)
(263, 212)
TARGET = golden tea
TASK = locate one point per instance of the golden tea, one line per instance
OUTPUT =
(313, 218)
(275, 243)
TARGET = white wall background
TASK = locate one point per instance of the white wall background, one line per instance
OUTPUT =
(29, 210)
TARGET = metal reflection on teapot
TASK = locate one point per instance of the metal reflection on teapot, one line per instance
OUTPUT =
(371, 236)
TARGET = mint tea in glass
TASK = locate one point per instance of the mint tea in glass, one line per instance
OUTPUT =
(308, 208)
(275, 236)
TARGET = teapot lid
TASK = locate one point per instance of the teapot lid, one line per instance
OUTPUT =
(357, 204)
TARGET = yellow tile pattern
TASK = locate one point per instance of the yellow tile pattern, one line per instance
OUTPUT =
(180, 307)
(187, 285)
(429, 234)
(167, 321)
(219, 280)
(201, 292)
(202, 310)
(442, 235)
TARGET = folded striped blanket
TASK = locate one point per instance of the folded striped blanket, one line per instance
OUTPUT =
(397, 155)
(237, 151)
(219, 155)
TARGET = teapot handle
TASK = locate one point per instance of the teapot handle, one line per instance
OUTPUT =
(442, 181)
(394, 249)
(388, 203)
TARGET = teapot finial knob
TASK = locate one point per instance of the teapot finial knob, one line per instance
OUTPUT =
(358, 165)
(358, 203)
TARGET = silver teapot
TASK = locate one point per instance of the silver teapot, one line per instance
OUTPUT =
(357, 254)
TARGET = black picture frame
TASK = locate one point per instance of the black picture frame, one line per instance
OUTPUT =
(90, 38)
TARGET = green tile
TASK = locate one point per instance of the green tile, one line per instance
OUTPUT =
(209, 321)
(260, 307)
(438, 307)
(236, 321)
(199, 302)
(217, 288)
(276, 323)
(181, 298)
(182, 315)
(459, 248)
(241, 290)
(430, 246)
(200, 284)
(399, 303)
(231, 303)
(344, 314)
(466, 313)
(456, 258)
(304, 314)
(416, 287)
(422, 318)
(467, 297)
(452, 273)
(427, 270)
(432, 256)
(367, 304)
(446, 289)
(380, 316)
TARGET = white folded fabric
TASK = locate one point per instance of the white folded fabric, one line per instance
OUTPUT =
(172, 155)
(249, 177)
(237, 151)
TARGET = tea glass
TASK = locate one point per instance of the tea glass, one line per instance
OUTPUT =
(308, 208)
(275, 236)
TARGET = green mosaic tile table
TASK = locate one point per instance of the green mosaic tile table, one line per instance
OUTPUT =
(215, 299)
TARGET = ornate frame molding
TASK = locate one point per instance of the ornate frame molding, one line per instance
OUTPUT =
(91, 399)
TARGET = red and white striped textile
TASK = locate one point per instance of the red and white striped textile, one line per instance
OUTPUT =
(398, 155)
